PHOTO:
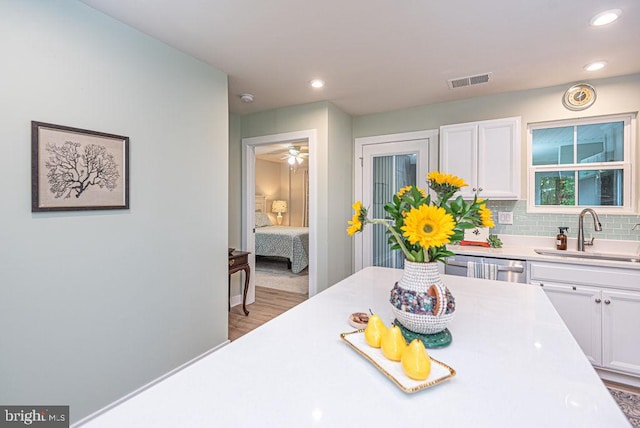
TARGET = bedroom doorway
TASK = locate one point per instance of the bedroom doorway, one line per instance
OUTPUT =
(282, 217)
(280, 204)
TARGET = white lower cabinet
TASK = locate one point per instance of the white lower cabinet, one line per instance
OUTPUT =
(604, 319)
(580, 311)
(621, 328)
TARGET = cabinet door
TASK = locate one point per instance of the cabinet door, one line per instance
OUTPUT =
(621, 330)
(499, 159)
(459, 154)
(580, 309)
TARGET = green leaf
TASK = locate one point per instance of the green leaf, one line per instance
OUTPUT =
(464, 225)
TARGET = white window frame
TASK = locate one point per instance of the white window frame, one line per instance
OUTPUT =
(629, 142)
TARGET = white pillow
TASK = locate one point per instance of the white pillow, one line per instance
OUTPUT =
(262, 219)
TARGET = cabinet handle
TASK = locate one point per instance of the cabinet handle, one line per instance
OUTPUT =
(606, 302)
(474, 189)
(598, 300)
(480, 189)
(541, 285)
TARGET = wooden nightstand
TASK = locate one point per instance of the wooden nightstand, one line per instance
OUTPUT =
(239, 260)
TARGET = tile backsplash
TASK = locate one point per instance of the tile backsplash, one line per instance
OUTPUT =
(613, 226)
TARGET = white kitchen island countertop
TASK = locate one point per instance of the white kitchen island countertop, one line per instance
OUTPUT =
(517, 366)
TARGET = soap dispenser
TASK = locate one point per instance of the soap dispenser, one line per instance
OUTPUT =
(561, 239)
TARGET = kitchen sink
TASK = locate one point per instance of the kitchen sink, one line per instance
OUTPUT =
(592, 256)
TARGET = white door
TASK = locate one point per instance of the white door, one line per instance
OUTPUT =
(383, 168)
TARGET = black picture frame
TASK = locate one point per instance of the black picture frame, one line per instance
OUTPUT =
(75, 169)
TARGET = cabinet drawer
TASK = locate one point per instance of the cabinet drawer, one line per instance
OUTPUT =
(241, 260)
(584, 274)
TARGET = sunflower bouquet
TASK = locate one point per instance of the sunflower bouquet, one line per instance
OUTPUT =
(420, 225)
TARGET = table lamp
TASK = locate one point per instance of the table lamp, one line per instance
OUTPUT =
(279, 207)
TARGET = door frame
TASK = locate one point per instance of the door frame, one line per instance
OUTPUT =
(358, 162)
(248, 198)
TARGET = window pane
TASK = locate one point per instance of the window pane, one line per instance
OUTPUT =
(552, 146)
(390, 174)
(601, 187)
(600, 142)
(555, 188)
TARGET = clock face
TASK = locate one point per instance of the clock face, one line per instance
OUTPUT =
(579, 97)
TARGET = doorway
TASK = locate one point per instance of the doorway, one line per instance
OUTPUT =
(385, 164)
(250, 147)
(282, 217)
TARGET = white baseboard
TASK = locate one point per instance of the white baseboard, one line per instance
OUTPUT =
(147, 386)
(235, 300)
(619, 377)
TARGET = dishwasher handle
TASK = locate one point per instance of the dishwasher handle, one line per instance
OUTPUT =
(516, 269)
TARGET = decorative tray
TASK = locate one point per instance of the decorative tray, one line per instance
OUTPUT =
(393, 369)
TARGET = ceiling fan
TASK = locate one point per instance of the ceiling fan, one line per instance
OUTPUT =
(294, 156)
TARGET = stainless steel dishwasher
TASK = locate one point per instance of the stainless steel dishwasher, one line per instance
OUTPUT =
(508, 269)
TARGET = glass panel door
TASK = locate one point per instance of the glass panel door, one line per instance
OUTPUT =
(386, 169)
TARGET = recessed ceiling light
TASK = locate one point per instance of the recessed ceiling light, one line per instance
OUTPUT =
(595, 66)
(317, 83)
(606, 17)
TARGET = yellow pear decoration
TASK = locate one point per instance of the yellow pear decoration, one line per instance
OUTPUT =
(374, 331)
(416, 363)
(393, 344)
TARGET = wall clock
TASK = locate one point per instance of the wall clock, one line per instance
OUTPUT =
(579, 97)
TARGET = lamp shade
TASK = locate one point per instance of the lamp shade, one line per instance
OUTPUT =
(279, 206)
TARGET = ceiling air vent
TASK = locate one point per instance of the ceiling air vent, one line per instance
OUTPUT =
(469, 80)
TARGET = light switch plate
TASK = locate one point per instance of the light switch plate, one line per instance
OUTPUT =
(505, 217)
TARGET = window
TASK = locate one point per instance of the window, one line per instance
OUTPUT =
(581, 163)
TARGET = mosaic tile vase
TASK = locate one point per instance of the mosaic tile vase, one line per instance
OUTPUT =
(420, 300)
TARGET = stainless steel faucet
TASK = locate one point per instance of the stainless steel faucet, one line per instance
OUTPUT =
(596, 225)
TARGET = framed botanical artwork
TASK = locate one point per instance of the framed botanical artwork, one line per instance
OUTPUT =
(75, 169)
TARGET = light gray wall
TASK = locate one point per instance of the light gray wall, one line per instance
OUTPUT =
(615, 95)
(332, 264)
(340, 197)
(95, 304)
(235, 196)
(298, 118)
(235, 178)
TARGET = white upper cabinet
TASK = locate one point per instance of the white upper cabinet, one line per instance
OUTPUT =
(486, 154)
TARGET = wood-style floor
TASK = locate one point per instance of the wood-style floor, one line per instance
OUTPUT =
(621, 387)
(269, 304)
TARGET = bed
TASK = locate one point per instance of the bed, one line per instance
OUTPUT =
(288, 242)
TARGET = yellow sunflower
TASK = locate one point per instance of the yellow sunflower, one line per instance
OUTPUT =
(436, 176)
(428, 226)
(406, 189)
(455, 181)
(441, 182)
(355, 224)
(486, 216)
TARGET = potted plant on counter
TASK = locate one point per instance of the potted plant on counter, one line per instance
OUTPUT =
(421, 225)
